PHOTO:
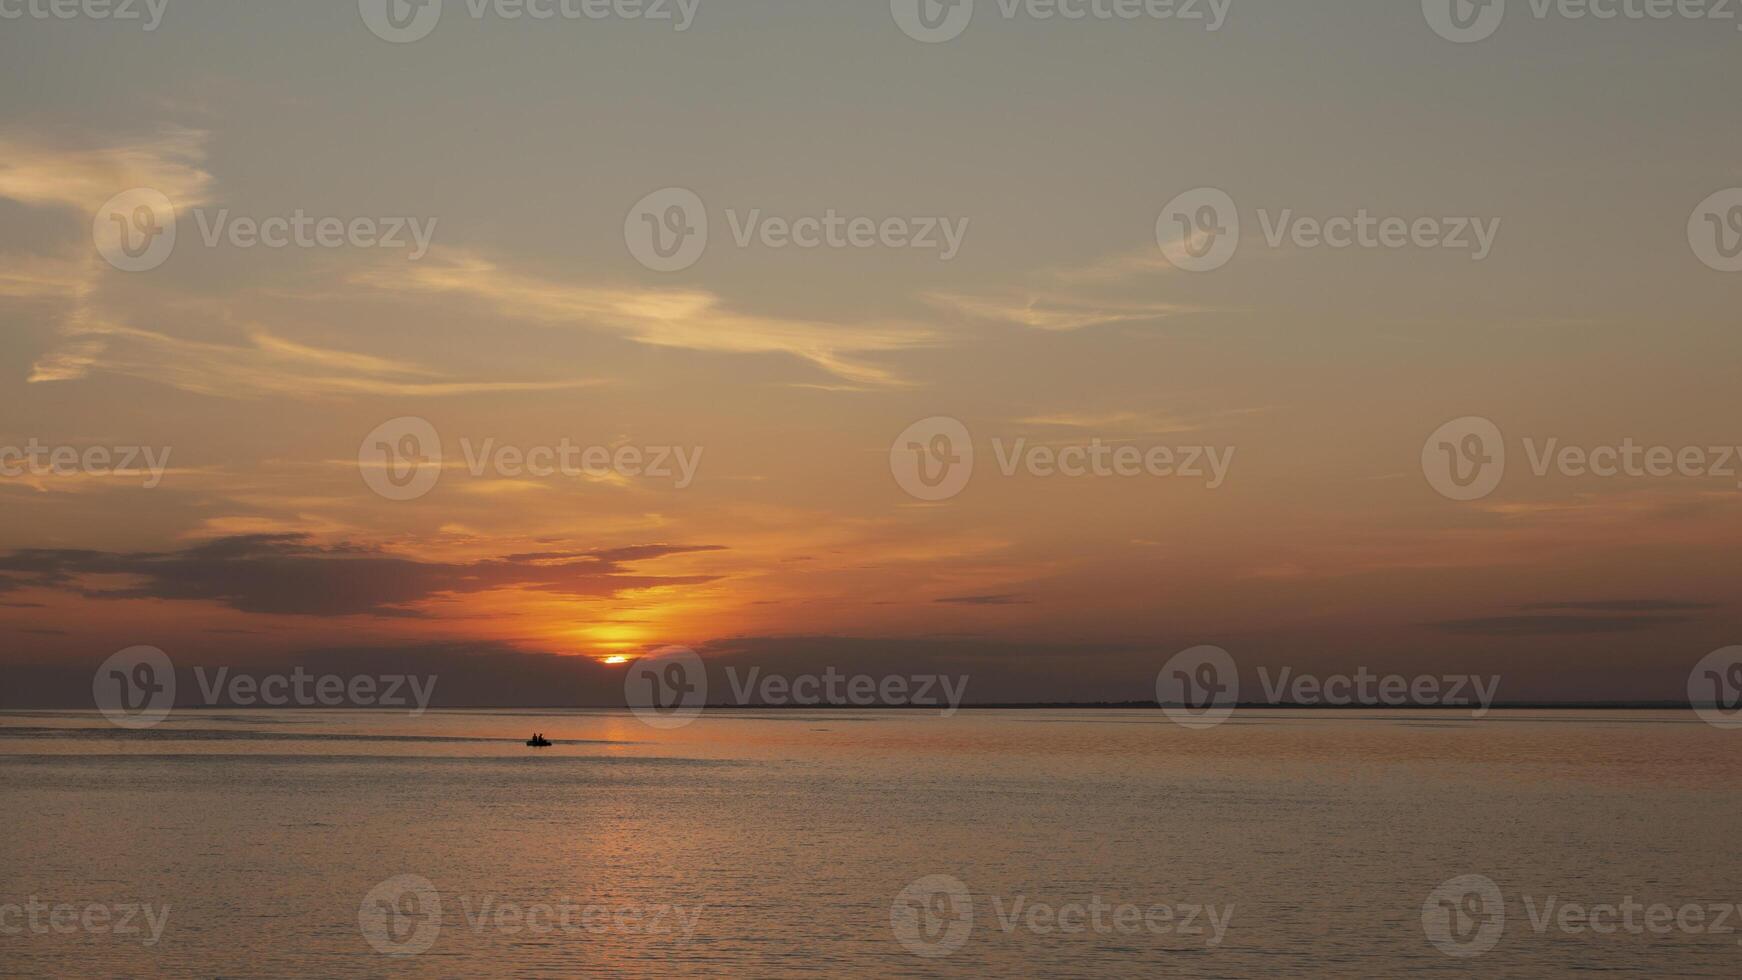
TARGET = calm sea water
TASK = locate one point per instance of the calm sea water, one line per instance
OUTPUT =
(1085, 843)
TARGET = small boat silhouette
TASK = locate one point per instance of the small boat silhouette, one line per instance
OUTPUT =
(538, 742)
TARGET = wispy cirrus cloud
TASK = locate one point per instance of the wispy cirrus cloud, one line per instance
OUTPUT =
(1074, 297)
(45, 277)
(95, 338)
(1052, 309)
(258, 365)
(82, 174)
(1137, 423)
(693, 319)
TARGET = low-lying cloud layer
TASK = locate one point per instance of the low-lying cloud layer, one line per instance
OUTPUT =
(287, 574)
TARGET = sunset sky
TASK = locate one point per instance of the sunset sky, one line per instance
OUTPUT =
(1061, 321)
